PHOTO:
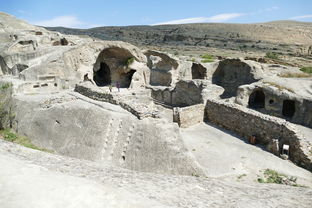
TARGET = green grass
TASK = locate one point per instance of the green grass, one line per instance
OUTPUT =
(272, 176)
(271, 55)
(207, 58)
(306, 69)
(5, 86)
(10, 136)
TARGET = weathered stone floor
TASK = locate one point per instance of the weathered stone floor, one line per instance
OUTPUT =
(149, 190)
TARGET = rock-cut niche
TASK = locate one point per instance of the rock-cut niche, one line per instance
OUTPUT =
(256, 99)
(289, 108)
(111, 68)
(232, 73)
(198, 71)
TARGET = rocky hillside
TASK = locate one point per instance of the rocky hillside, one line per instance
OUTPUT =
(285, 37)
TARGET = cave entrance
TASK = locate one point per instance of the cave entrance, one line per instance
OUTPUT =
(102, 77)
(256, 99)
(289, 108)
(198, 71)
(126, 78)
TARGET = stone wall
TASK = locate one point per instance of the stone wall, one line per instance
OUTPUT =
(189, 116)
(185, 93)
(141, 109)
(273, 102)
(266, 128)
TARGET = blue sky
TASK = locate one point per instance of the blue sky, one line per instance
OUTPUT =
(93, 13)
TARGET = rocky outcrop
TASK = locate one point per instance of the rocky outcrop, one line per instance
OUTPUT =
(73, 125)
(232, 73)
(276, 100)
(187, 93)
(163, 68)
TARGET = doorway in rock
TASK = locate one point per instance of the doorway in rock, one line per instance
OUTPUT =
(256, 100)
(127, 77)
(289, 108)
(102, 77)
(198, 71)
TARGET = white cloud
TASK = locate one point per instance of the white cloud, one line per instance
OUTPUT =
(23, 12)
(64, 21)
(224, 17)
(216, 18)
(271, 8)
(302, 17)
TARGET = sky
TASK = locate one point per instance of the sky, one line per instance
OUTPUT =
(95, 13)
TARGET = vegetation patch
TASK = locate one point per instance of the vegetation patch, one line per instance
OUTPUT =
(306, 69)
(5, 86)
(207, 58)
(294, 75)
(272, 176)
(271, 55)
(281, 88)
(130, 61)
(9, 135)
(241, 176)
(192, 60)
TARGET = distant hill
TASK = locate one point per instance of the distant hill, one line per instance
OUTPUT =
(281, 36)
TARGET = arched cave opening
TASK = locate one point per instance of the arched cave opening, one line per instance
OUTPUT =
(289, 108)
(256, 100)
(198, 71)
(102, 77)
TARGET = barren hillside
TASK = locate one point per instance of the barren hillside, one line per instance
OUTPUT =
(287, 37)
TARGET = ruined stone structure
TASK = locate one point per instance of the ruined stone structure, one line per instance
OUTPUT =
(232, 73)
(189, 116)
(111, 67)
(270, 100)
(266, 129)
(110, 101)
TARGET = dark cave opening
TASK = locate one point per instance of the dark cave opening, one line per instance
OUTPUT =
(102, 77)
(256, 100)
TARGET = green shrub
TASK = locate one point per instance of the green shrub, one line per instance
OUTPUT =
(5, 86)
(271, 55)
(130, 61)
(272, 176)
(207, 58)
(10, 136)
(306, 69)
